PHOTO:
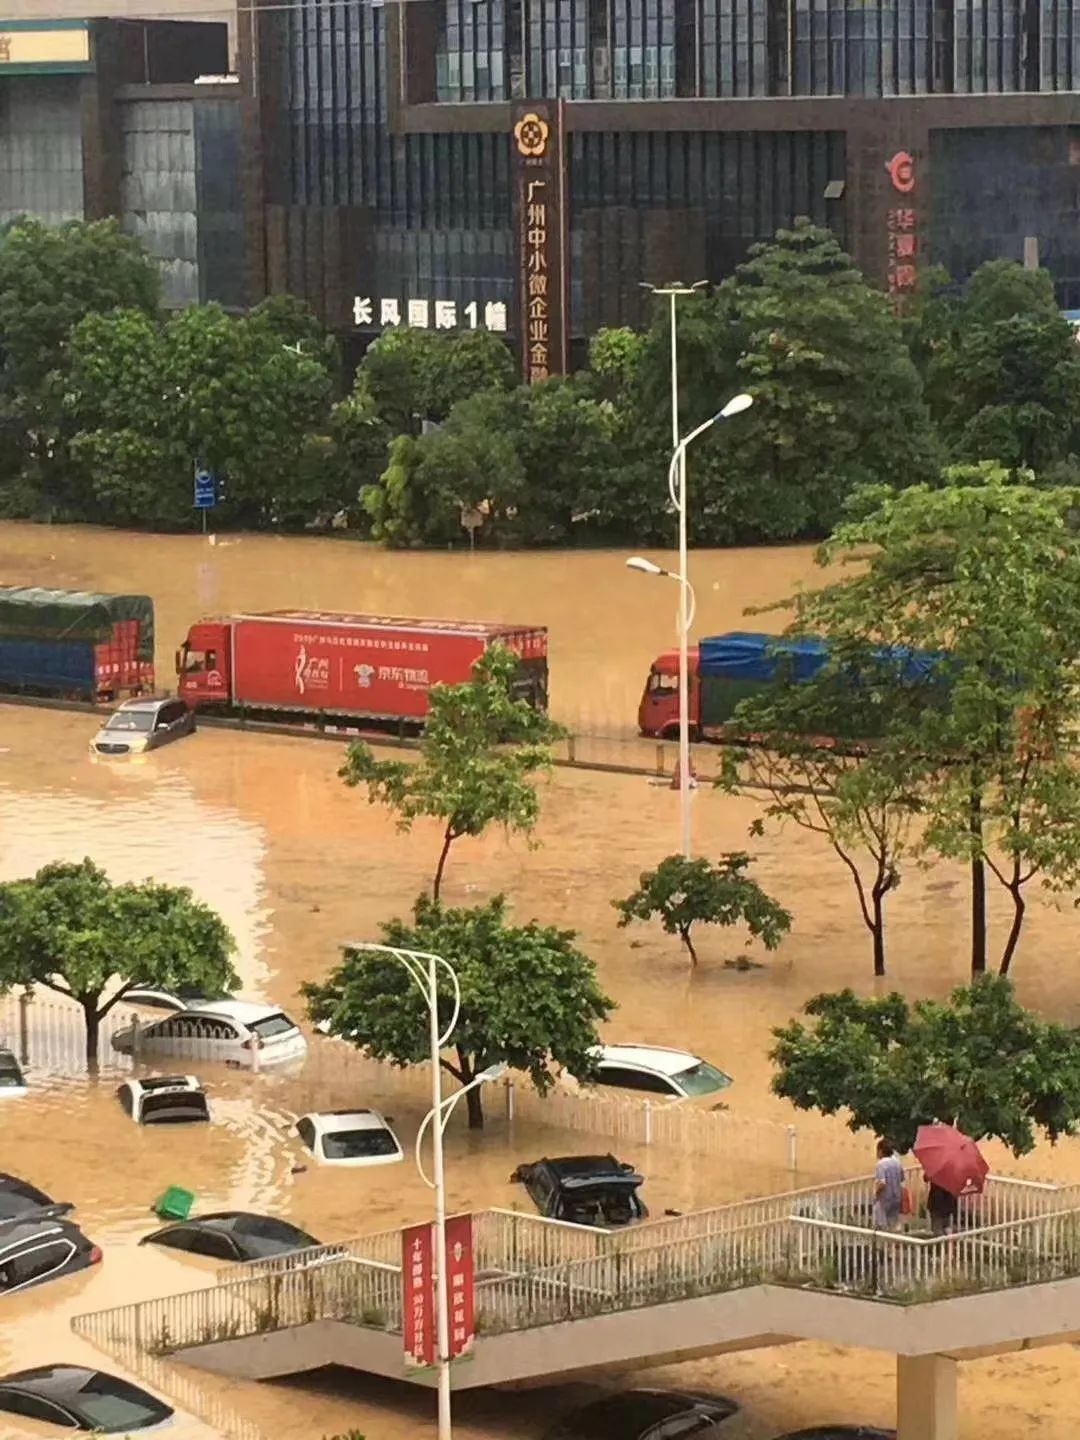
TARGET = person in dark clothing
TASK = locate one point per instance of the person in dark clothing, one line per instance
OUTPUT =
(942, 1208)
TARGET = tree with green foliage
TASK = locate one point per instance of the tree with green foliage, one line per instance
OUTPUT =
(73, 931)
(860, 799)
(50, 279)
(148, 401)
(978, 1061)
(529, 997)
(417, 375)
(981, 577)
(1003, 381)
(528, 465)
(482, 749)
(683, 893)
(837, 400)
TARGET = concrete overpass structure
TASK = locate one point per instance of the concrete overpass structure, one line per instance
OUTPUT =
(556, 1300)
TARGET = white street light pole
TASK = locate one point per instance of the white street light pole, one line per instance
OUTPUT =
(423, 968)
(687, 602)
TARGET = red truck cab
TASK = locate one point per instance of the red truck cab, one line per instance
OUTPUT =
(658, 712)
(204, 664)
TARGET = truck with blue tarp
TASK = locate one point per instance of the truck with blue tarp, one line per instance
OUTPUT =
(727, 669)
(75, 644)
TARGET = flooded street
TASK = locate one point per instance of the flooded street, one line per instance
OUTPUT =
(261, 828)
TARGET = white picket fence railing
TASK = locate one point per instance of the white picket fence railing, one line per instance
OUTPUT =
(532, 1271)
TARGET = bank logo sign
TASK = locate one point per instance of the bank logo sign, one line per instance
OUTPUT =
(531, 133)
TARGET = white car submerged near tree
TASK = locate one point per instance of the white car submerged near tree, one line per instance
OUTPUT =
(350, 1137)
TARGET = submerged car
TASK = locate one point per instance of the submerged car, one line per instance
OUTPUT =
(18, 1197)
(839, 1432)
(647, 1415)
(80, 1399)
(658, 1070)
(12, 1082)
(584, 1189)
(143, 724)
(40, 1247)
(164, 1100)
(232, 1235)
(232, 1032)
(350, 1137)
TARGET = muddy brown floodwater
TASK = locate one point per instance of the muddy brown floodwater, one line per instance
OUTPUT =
(260, 827)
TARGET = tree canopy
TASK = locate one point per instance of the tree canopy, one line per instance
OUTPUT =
(71, 930)
(979, 1061)
(682, 893)
(977, 582)
(529, 997)
(479, 757)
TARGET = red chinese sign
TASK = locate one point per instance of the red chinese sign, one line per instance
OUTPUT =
(417, 1297)
(903, 228)
(461, 1288)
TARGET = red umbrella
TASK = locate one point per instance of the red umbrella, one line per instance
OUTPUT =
(950, 1159)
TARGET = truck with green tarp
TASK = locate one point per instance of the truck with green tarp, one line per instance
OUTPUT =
(73, 644)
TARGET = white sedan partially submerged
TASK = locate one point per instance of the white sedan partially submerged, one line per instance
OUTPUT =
(350, 1137)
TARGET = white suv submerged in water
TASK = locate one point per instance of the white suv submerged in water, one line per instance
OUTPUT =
(232, 1032)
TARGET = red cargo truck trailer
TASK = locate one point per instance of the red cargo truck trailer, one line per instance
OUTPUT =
(315, 665)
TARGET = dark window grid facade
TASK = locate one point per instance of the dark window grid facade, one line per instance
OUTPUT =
(470, 61)
(990, 46)
(336, 78)
(556, 43)
(648, 49)
(464, 265)
(990, 188)
(1059, 40)
(733, 47)
(739, 188)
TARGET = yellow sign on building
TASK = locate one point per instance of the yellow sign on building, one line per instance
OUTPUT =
(28, 46)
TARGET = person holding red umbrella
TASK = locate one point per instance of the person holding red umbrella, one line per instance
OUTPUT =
(953, 1166)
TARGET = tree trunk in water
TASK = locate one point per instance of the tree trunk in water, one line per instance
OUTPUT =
(689, 945)
(90, 1019)
(1019, 906)
(879, 932)
(448, 840)
(474, 1100)
(978, 889)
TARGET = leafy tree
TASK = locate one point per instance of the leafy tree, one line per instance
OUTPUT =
(837, 399)
(74, 932)
(683, 893)
(529, 997)
(860, 799)
(1004, 376)
(50, 279)
(979, 1061)
(149, 401)
(984, 575)
(529, 461)
(418, 375)
(481, 749)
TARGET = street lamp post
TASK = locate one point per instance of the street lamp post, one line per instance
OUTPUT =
(677, 490)
(423, 968)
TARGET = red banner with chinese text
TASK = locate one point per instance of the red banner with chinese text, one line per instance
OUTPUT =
(418, 1296)
(461, 1287)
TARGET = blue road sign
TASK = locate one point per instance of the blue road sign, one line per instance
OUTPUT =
(205, 489)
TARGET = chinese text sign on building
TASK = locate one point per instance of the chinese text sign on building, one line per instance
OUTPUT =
(369, 314)
(903, 226)
(539, 208)
(461, 1278)
(417, 1297)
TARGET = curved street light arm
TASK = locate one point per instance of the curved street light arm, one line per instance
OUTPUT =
(417, 963)
(448, 1106)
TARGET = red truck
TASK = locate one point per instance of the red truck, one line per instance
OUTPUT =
(359, 667)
